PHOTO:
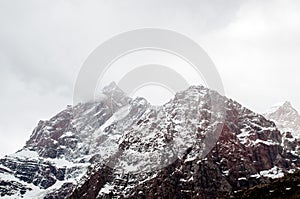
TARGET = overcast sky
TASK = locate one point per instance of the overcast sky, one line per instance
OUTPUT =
(255, 46)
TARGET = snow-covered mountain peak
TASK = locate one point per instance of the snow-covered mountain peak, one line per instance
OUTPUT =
(286, 117)
(286, 105)
(110, 88)
(127, 147)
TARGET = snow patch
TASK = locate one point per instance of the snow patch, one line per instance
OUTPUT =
(119, 115)
(106, 189)
(25, 154)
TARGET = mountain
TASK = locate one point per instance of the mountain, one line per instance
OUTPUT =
(286, 118)
(198, 145)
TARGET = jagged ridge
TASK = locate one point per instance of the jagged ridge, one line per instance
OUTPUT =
(65, 156)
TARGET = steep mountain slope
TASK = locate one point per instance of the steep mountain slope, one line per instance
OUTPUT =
(199, 144)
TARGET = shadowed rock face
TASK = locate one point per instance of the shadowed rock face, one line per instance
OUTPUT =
(81, 152)
(286, 187)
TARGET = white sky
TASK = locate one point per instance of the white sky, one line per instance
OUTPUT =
(254, 44)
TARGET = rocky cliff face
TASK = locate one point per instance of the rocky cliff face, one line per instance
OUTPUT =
(200, 144)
